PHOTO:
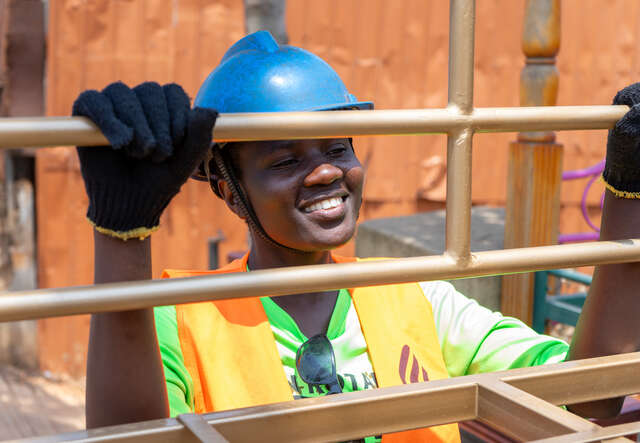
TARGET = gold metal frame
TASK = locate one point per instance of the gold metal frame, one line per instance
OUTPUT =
(519, 402)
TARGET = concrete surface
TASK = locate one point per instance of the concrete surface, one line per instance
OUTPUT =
(32, 404)
(423, 234)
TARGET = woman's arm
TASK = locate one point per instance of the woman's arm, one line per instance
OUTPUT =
(609, 320)
(156, 143)
(608, 323)
(125, 379)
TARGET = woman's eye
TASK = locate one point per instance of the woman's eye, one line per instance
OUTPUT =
(337, 150)
(284, 163)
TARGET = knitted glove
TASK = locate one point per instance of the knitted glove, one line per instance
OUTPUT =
(156, 142)
(622, 169)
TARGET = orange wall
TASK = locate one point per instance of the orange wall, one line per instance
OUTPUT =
(392, 52)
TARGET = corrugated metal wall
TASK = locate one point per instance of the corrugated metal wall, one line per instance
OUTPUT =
(392, 52)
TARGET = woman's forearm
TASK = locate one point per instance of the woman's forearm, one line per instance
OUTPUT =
(125, 379)
(609, 319)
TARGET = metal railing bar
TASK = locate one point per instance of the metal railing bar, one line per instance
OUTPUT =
(523, 416)
(20, 132)
(340, 417)
(200, 429)
(460, 98)
(153, 431)
(43, 303)
(616, 375)
(352, 415)
(610, 432)
(461, 54)
(458, 202)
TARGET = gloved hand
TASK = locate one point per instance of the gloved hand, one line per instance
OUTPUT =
(156, 143)
(622, 169)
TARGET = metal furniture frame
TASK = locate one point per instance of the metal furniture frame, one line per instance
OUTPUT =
(520, 403)
(563, 308)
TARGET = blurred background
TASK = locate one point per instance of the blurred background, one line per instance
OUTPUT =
(394, 53)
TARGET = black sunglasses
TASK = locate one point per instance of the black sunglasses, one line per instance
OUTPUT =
(316, 363)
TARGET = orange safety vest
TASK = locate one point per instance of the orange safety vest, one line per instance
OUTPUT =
(231, 355)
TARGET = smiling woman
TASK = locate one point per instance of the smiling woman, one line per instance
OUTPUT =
(300, 199)
(305, 194)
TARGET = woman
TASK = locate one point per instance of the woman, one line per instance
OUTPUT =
(300, 199)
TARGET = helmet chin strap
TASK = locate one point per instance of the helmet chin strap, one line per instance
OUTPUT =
(239, 196)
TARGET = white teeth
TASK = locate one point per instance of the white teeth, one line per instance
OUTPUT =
(324, 204)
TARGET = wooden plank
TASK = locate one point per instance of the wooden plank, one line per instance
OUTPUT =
(531, 215)
(535, 160)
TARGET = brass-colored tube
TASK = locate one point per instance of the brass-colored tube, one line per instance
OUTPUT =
(553, 118)
(135, 295)
(461, 45)
(19, 132)
(607, 435)
(458, 204)
(49, 131)
(461, 54)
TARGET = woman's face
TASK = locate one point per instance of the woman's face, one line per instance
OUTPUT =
(305, 193)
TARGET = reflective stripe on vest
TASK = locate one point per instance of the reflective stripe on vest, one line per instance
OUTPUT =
(230, 352)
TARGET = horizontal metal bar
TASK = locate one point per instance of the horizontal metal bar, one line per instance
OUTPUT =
(521, 415)
(598, 434)
(575, 276)
(563, 312)
(579, 380)
(200, 429)
(339, 417)
(372, 412)
(44, 303)
(79, 131)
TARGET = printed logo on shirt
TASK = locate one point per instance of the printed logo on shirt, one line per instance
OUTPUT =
(414, 372)
(348, 383)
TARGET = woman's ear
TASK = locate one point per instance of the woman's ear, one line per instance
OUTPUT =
(227, 196)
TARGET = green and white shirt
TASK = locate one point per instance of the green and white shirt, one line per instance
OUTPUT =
(472, 338)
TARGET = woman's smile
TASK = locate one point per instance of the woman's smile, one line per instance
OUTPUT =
(306, 193)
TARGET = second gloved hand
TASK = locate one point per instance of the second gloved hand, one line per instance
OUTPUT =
(156, 143)
(622, 169)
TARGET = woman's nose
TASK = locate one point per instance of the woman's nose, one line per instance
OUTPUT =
(323, 174)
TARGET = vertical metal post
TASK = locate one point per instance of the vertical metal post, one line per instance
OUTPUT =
(461, 45)
(535, 159)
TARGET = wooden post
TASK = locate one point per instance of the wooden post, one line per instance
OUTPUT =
(535, 159)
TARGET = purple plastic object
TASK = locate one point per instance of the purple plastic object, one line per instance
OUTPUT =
(583, 203)
(578, 237)
(593, 172)
(582, 173)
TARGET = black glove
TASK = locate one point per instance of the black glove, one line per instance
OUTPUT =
(622, 169)
(156, 143)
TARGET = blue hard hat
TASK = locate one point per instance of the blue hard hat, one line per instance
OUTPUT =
(259, 75)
